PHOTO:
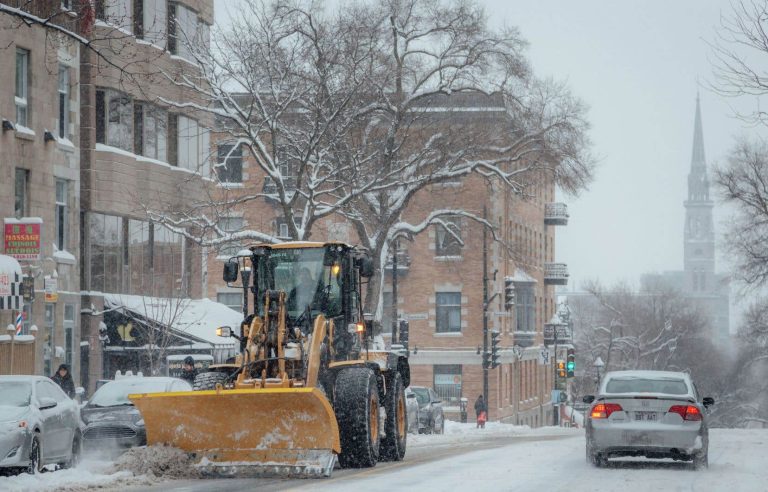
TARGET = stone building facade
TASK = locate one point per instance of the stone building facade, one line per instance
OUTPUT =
(40, 179)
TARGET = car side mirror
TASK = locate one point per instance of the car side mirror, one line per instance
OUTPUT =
(231, 269)
(588, 398)
(411, 396)
(46, 403)
(708, 401)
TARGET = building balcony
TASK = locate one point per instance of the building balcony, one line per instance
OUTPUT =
(524, 339)
(403, 262)
(556, 274)
(556, 214)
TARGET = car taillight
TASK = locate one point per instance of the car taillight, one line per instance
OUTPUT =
(604, 410)
(687, 412)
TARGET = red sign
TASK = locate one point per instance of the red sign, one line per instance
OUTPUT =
(22, 239)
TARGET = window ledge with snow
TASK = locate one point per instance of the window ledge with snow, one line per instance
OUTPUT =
(65, 257)
(65, 144)
(181, 58)
(230, 186)
(140, 158)
(450, 334)
(24, 132)
(449, 258)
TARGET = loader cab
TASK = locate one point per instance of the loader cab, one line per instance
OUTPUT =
(317, 278)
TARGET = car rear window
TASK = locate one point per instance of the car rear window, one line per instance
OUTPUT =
(643, 385)
(15, 393)
(116, 393)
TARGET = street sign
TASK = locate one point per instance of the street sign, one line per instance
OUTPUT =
(544, 356)
(51, 289)
(5, 284)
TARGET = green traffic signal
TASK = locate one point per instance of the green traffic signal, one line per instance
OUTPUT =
(571, 366)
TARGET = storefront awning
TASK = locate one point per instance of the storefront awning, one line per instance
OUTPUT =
(195, 319)
(10, 284)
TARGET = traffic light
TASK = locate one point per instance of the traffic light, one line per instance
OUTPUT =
(561, 369)
(486, 360)
(509, 293)
(495, 355)
(570, 365)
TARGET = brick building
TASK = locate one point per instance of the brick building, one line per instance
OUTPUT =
(40, 182)
(440, 280)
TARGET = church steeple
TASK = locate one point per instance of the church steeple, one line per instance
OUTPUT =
(699, 234)
(697, 157)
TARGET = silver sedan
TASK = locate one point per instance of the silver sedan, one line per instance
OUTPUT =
(652, 414)
(39, 424)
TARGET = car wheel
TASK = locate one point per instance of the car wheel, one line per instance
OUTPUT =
(35, 461)
(701, 460)
(77, 452)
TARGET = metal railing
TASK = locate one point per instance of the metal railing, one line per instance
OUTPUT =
(556, 273)
(556, 214)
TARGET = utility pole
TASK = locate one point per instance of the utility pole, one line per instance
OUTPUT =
(485, 310)
(556, 408)
(394, 291)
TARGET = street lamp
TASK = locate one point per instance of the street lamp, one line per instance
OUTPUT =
(598, 365)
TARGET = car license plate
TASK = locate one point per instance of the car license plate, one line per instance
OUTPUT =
(637, 438)
(645, 416)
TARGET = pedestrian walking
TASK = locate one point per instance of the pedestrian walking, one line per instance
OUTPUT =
(481, 412)
(64, 379)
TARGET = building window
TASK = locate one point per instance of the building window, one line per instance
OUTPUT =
(183, 27)
(446, 242)
(193, 145)
(22, 87)
(21, 193)
(448, 312)
(69, 327)
(282, 229)
(63, 101)
(62, 213)
(447, 382)
(150, 20)
(114, 119)
(525, 307)
(229, 164)
(230, 225)
(233, 300)
(151, 129)
(115, 12)
(106, 238)
(139, 256)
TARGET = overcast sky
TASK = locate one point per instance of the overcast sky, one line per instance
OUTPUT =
(636, 65)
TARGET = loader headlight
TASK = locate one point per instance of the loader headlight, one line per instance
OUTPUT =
(224, 331)
(335, 269)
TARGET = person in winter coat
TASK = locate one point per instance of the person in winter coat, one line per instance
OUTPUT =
(64, 379)
(189, 372)
(481, 411)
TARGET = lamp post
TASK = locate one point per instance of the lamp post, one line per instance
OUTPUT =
(598, 365)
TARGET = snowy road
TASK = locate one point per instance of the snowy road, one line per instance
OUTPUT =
(499, 458)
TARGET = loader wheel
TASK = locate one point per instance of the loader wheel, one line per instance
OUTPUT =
(396, 427)
(356, 404)
(209, 380)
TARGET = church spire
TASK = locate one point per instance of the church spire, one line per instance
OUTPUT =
(697, 157)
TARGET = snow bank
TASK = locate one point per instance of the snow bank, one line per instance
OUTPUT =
(88, 475)
(456, 432)
(157, 461)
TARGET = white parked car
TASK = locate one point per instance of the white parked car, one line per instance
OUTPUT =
(39, 424)
(654, 414)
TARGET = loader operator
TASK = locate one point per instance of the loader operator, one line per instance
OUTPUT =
(304, 293)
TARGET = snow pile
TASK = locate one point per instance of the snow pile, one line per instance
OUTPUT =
(456, 432)
(88, 475)
(157, 461)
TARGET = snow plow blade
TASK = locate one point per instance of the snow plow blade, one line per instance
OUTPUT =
(246, 432)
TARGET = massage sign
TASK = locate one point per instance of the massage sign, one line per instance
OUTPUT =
(22, 238)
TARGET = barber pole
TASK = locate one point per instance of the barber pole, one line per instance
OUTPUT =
(19, 323)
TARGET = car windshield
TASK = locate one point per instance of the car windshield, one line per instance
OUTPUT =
(116, 393)
(300, 273)
(645, 385)
(15, 393)
(422, 395)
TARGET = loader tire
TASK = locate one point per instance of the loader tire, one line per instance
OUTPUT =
(396, 424)
(209, 380)
(356, 404)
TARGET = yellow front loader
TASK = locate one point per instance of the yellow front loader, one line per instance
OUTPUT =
(306, 389)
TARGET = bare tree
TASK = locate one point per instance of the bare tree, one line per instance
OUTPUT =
(340, 112)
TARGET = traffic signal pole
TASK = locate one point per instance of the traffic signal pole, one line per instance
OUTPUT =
(485, 310)
(556, 408)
